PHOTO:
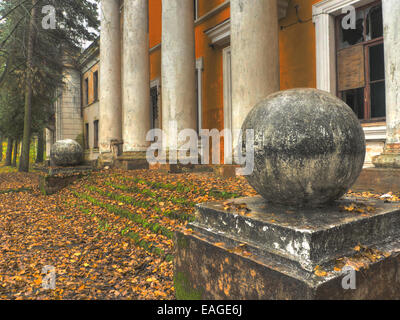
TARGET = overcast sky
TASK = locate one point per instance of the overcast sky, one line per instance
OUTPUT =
(87, 44)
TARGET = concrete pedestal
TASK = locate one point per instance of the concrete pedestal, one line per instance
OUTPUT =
(380, 180)
(248, 249)
(56, 178)
(387, 160)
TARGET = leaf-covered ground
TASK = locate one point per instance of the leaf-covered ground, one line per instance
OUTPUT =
(109, 235)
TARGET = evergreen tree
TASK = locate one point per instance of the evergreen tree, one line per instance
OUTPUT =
(9, 152)
(32, 56)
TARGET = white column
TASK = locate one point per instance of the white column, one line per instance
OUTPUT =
(178, 75)
(390, 157)
(391, 27)
(255, 55)
(49, 142)
(325, 51)
(136, 76)
(110, 76)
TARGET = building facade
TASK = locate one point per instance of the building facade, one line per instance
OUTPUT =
(204, 64)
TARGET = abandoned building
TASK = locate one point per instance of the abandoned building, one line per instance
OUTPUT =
(206, 63)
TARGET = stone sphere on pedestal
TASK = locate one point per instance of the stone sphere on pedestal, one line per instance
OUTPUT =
(66, 153)
(309, 148)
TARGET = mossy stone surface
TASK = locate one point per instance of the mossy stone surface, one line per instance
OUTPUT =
(309, 147)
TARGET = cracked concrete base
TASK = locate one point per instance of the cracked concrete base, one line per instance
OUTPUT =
(387, 161)
(272, 252)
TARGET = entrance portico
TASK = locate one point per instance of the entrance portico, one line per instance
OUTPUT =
(125, 115)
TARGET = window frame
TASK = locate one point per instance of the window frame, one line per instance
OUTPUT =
(87, 142)
(95, 86)
(86, 90)
(366, 45)
(96, 134)
(196, 9)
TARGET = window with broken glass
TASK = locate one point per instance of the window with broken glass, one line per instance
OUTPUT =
(361, 65)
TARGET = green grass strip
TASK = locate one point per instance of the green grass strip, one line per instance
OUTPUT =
(152, 226)
(175, 215)
(146, 245)
(181, 188)
(130, 189)
(120, 197)
(15, 190)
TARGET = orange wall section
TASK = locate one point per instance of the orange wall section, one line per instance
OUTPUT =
(213, 101)
(205, 6)
(89, 75)
(154, 22)
(212, 74)
(297, 53)
(297, 47)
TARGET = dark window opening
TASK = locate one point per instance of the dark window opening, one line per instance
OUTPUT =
(351, 37)
(87, 136)
(361, 64)
(96, 134)
(355, 99)
(96, 86)
(154, 106)
(374, 23)
(195, 9)
(197, 101)
(86, 88)
(378, 108)
(154, 113)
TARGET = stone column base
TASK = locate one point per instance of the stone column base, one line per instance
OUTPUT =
(226, 170)
(194, 165)
(390, 158)
(104, 160)
(135, 160)
(387, 161)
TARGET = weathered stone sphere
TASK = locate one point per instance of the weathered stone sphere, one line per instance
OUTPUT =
(309, 148)
(66, 153)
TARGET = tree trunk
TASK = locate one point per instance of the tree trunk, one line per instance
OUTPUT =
(9, 152)
(24, 160)
(15, 154)
(1, 148)
(40, 147)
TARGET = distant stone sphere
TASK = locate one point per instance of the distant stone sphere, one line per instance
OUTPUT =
(309, 148)
(66, 153)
